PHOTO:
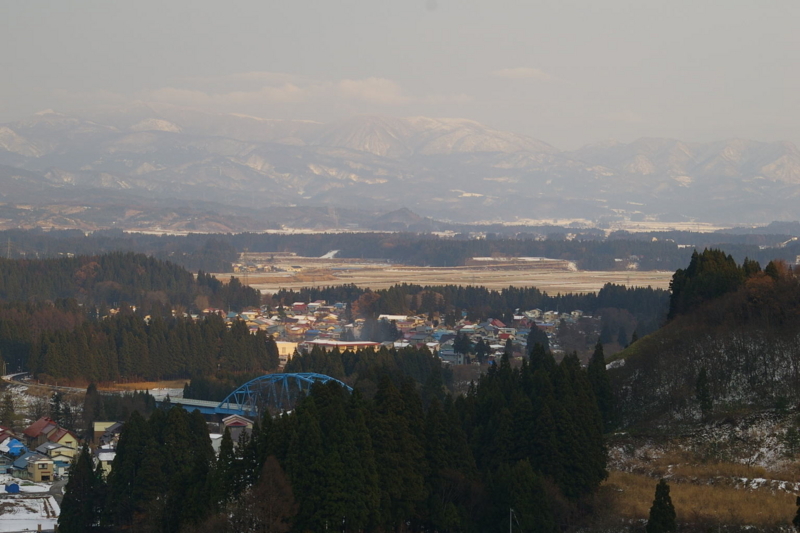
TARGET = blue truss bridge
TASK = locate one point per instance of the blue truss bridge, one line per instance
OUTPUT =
(274, 392)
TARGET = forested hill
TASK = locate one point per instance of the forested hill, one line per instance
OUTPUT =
(587, 248)
(731, 344)
(118, 278)
(528, 439)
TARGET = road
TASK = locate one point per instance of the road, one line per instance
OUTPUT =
(57, 490)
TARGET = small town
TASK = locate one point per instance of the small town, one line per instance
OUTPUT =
(35, 461)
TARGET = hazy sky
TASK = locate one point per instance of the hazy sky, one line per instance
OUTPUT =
(566, 72)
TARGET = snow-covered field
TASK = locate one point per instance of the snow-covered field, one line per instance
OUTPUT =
(24, 485)
(28, 509)
(28, 512)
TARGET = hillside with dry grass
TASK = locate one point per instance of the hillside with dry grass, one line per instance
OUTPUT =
(711, 402)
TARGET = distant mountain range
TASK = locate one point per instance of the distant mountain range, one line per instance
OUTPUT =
(146, 165)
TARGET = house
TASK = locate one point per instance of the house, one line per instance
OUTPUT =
(104, 456)
(100, 428)
(236, 421)
(34, 467)
(36, 433)
(330, 345)
(12, 447)
(448, 355)
(6, 464)
(285, 350)
(216, 441)
(65, 438)
(111, 435)
(60, 454)
(236, 425)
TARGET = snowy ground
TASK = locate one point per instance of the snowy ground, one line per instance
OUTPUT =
(24, 485)
(27, 512)
(160, 394)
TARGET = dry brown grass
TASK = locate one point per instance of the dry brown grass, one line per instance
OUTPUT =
(701, 503)
(684, 464)
(725, 470)
(147, 385)
(551, 277)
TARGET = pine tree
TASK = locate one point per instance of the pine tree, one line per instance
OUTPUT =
(307, 468)
(601, 386)
(57, 408)
(136, 477)
(662, 513)
(78, 512)
(529, 501)
(7, 414)
(796, 519)
(268, 506)
(541, 358)
(703, 392)
(398, 454)
(580, 430)
(225, 469)
(622, 337)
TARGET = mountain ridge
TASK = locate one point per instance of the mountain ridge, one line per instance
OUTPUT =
(450, 169)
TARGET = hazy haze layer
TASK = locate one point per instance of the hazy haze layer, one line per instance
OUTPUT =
(569, 73)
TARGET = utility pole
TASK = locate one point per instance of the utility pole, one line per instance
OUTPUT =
(8, 249)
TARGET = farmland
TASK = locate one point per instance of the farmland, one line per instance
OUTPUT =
(286, 271)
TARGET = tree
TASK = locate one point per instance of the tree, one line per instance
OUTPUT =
(462, 344)
(7, 415)
(601, 386)
(622, 337)
(269, 506)
(537, 336)
(708, 276)
(78, 511)
(796, 519)
(662, 513)
(57, 408)
(703, 392)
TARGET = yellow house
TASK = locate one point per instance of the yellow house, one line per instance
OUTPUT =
(65, 438)
(99, 428)
(35, 467)
(285, 350)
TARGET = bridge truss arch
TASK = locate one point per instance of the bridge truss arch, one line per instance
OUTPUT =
(275, 392)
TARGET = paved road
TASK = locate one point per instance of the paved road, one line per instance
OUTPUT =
(56, 490)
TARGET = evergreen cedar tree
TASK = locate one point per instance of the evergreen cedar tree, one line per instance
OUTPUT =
(125, 346)
(80, 508)
(115, 278)
(730, 329)
(522, 438)
(703, 392)
(796, 519)
(601, 386)
(710, 275)
(662, 513)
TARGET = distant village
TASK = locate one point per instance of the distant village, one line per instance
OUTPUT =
(44, 451)
(302, 326)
